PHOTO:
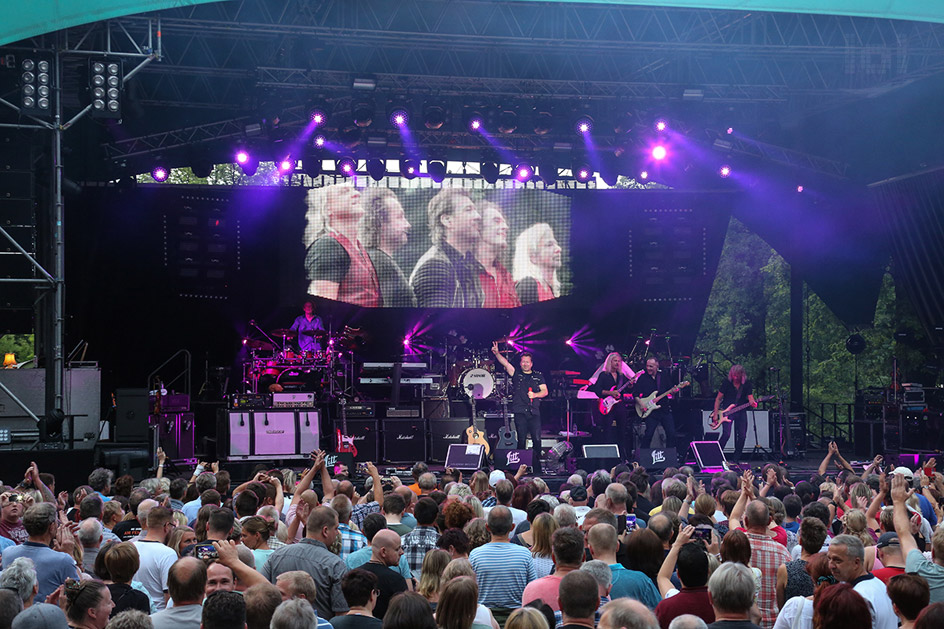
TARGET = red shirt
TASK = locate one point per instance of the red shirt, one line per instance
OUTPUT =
(16, 532)
(688, 601)
(887, 573)
(499, 291)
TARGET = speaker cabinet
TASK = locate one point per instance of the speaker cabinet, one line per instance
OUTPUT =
(404, 440)
(444, 433)
(366, 438)
(131, 416)
(271, 434)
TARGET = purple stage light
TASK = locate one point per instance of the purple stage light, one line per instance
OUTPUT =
(319, 141)
(318, 117)
(286, 165)
(406, 341)
(160, 173)
(242, 157)
(475, 124)
(347, 166)
(524, 172)
(661, 125)
(644, 174)
(724, 172)
(584, 125)
(799, 188)
(569, 342)
(582, 173)
(399, 117)
(730, 130)
(659, 153)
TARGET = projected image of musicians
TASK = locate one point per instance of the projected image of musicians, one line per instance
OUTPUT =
(527, 388)
(736, 390)
(498, 287)
(385, 229)
(537, 264)
(612, 382)
(337, 264)
(446, 276)
(308, 324)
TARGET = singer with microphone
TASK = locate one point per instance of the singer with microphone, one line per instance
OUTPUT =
(527, 389)
(735, 391)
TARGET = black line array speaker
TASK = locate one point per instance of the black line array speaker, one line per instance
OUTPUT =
(131, 416)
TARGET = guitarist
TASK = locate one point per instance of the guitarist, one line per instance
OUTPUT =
(651, 381)
(606, 382)
(527, 388)
(736, 390)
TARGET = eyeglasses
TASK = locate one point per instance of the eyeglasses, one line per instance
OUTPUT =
(830, 579)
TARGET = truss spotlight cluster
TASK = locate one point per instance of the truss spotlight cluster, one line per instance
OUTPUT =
(36, 86)
(105, 84)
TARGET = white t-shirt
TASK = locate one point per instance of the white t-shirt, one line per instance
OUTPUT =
(482, 616)
(798, 605)
(874, 591)
(156, 560)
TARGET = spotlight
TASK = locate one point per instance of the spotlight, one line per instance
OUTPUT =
(35, 86)
(476, 122)
(406, 341)
(489, 171)
(543, 122)
(436, 169)
(377, 169)
(286, 165)
(609, 170)
(242, 157)
(399, 117)
(799, 188)
(247, 162)
(409, 168)
(730, 130)
(724, 172)
(661, 125)
(582, 172)
(347, 166)
(318, 141)
(584, 125)
(160, 173)
(659, 153)
(644, 175)
(363, 112)
(569, 342)
(434, 117)
(524, 172)
(105, 84)
(317, 114)
(507, 122)
(201, 165)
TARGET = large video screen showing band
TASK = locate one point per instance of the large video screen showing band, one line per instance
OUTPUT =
(436, 248)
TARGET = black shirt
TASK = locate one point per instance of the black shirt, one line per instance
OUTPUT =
(125, 597)
(646, 384)
(389, 583)
(356, 622)
(327, 260)
(732, 395)
(127, 530)
(520, 383)
(606, 382)
(395, 289)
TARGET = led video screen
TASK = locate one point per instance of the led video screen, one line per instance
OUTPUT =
(436, 248)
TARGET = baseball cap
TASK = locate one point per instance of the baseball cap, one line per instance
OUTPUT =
(888, 539)
(578, 493)
(41, 616)
(904, 471)
(495, 476)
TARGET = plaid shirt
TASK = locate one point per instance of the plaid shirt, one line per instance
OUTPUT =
(351, 540)
(359, 512)
(767, 556)
(416, 544)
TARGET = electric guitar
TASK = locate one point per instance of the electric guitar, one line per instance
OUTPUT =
(344, 442)
(607, 403)
(472, 433)
(645, 406)
(724, 416)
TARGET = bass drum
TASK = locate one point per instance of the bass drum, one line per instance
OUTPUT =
(300, 379)
(477, 383)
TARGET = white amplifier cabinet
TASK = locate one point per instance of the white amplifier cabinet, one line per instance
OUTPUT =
(271, 434)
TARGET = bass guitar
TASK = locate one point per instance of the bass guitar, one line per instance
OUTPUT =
(607, 403)
(725, 415)
(344, 443)
(645, 406)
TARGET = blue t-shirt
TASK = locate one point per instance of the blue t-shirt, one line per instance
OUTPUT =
(359, 557)
(502, 570)
(52, 567)
(633, 584)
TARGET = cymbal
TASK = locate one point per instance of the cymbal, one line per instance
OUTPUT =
(318, 333)
(254, 344)
(286, 332)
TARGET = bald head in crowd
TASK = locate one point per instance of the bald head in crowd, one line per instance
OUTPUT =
(626, 613)
(385, 547)
(757, 516)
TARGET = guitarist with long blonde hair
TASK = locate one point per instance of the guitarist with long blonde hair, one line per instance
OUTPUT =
(611, 382)
(735, 391)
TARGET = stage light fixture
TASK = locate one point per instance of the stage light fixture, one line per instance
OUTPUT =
(242, 157)
(363, 112)
(507, 121)
(799, 188)
(409, 168)
(201, 165)
(582, 172)
(36, 82)
(661, 125)
(524, 172)
(105, 85)
(160, 173)
(436, 169)
(583, 125)
(489, 171)
(548, 173)
(318, 141)
(350, 135)
(543, 122)
(724, 172)
(406, 341)
(247, 162)
(286, 165)
(730, 130)
(434, 117)
(399, 117)
(475, 121)
(659, 153)
(311, 163)
(377, 169)
(609, 169)
(644, 175)
(347, 166)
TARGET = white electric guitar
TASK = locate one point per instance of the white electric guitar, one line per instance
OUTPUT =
(645, 406)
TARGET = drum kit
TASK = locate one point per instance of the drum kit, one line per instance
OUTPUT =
(477, 375)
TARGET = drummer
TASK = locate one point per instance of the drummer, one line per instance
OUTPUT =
(310, 328)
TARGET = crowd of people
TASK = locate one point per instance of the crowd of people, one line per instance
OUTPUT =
(612, 549)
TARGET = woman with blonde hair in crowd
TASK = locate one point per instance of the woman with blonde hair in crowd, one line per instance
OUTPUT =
(481, 489)
(477, 530)
(542, 529)
(430, 584)
(180, 538)
(526, 618)
(462, 568)
(458, 605)
(854, 523)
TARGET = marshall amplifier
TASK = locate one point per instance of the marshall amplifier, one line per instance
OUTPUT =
(366, 438)
(444, 433)
(404, 440)
(360, 410)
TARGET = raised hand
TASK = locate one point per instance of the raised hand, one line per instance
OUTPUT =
(899, 489)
